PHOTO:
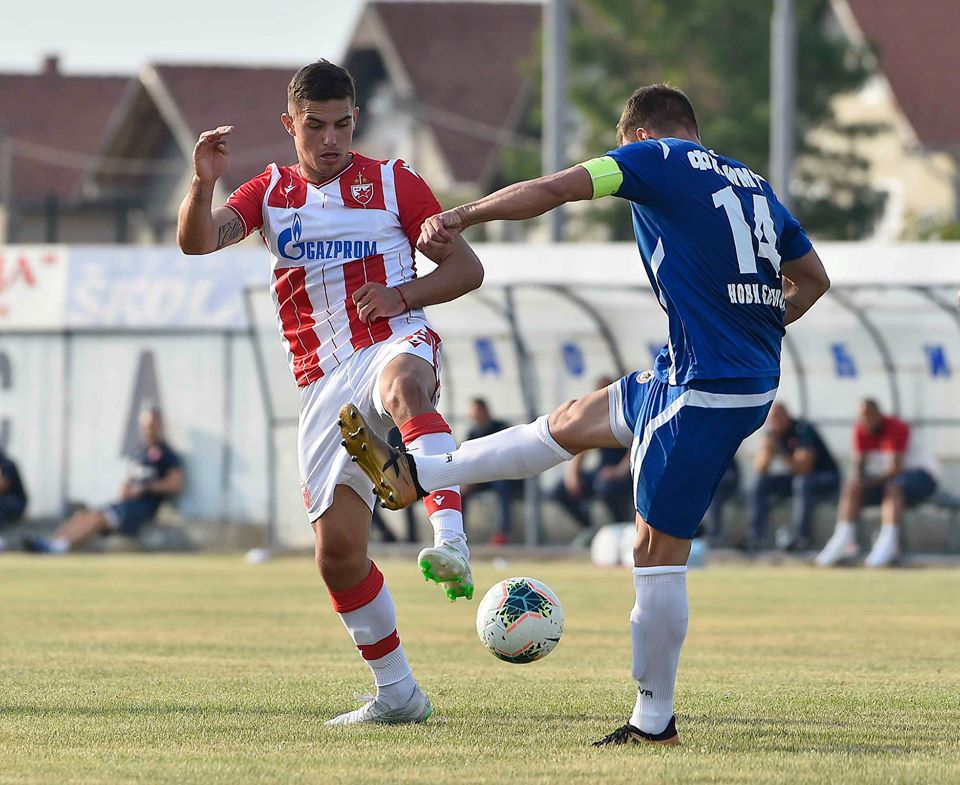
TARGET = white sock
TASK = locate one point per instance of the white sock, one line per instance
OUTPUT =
(888, 531)
(513, 454)
(429, 434)
(658, 623)
(368, 613)
(59, 545)
(845, 529)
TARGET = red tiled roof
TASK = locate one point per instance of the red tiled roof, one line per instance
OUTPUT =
(52, 112)
(919, 54)
(252, 99)
(467, 61)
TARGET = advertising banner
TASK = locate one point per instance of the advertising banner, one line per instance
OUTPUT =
(32, 287)
(161, 288)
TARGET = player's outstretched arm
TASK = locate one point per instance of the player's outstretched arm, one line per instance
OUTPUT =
(804, 282)
(200, 228)
(516, 202)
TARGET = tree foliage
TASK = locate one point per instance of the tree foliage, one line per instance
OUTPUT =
(719, 53)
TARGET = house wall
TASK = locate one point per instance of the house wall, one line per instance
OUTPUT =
(920, 184)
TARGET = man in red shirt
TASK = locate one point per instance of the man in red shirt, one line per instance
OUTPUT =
(889, 469)
(341, 229)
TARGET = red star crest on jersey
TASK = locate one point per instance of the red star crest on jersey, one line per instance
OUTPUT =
(362, 190)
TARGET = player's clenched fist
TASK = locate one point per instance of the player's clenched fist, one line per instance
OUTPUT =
(439, 230)
(376, 301)
(211, 153)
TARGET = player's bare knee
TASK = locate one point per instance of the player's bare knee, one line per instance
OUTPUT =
(561, 420)
(404, 396)
(340, 567)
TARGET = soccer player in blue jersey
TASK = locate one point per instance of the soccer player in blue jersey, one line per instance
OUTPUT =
(731, 267)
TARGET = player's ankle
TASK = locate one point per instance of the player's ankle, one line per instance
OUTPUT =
(455, 539)
(397, 694)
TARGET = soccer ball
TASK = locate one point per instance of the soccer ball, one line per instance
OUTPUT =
(520, 620)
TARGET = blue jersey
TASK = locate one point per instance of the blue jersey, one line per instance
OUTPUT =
(712, 235)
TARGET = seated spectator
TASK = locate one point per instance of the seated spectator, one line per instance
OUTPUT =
(484, 424)
(155, 475)
(712, 525)
(794, 463)
(889, 469)
(13, 496)
(610, 482)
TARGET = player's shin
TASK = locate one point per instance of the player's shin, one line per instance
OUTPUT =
(512, 454)
(658, 625)
(368, 613)
(429, 434)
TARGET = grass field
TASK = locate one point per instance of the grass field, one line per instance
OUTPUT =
(161, 669)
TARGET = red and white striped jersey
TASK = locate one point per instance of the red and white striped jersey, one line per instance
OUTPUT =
(329, 239)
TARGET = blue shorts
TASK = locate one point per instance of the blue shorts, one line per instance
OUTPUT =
(682, 439)
(129, 516)
(917, 486)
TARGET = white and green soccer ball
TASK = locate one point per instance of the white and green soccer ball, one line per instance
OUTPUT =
(520, 620)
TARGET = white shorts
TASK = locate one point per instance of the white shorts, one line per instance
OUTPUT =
(324, 464)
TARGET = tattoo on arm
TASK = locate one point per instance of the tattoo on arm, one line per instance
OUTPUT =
(229, 233)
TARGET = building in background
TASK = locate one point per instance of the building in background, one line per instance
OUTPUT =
(146, 151)
(914, 159)
(446, 102)
(106, 159)
(51, 128)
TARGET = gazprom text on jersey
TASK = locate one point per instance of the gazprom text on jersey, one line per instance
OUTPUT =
(328, 249)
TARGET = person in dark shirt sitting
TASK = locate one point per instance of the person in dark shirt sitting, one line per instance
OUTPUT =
(155, 475)
(484, 424)
(808, 472)
(610, 482)
(13, 496)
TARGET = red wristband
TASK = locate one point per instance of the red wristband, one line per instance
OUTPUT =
(399, 291)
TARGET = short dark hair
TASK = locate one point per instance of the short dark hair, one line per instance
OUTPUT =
(480, 402)
(321, 81)
(657, 106)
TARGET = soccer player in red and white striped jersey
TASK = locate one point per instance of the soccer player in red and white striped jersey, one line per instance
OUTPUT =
(341, 229)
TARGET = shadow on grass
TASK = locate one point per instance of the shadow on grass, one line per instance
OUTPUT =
(805, 735)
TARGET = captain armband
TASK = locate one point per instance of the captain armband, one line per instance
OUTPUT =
(606, 175)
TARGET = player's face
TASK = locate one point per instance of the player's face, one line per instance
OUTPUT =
(322, 132)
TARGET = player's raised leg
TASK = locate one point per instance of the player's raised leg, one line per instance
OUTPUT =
(596, 420)
(408, 391)
(360, 596)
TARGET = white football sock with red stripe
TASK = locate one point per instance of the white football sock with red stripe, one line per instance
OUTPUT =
(429, 434)
(512, 454)
(368, 613)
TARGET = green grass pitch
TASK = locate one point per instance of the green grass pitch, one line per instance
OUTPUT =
(170, 669)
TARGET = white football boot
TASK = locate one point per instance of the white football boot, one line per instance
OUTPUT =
(886, 549)
(842, 545)
(449, 565)
(376, 710)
